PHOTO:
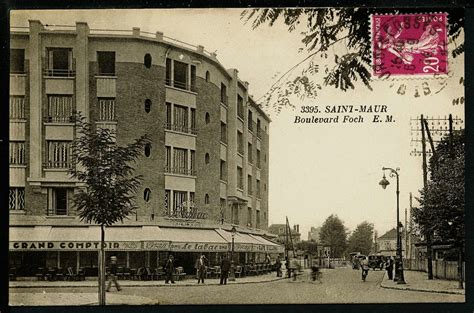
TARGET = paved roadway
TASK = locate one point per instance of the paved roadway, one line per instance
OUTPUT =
(338, 286)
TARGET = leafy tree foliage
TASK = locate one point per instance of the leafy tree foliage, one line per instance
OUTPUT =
(326, 27)
(333, 233)
(361, 239)
(106, 169)
(442, 202)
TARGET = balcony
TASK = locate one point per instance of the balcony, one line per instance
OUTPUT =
(181, 85)
(110, 125)
(106, 86)
(18, 130)
(181, 128)
(179, 171)
(17, 84)
(64, 165)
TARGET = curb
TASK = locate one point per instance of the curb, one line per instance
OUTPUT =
(406, 288)
(149, 285)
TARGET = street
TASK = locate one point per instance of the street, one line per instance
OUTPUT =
(341, 285)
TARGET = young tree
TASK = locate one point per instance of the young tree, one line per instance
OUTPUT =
(325, 28)
(106, 169)
(361, 239)
(333, 233)
(442, 202)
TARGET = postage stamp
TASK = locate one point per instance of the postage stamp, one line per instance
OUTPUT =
(409, 44)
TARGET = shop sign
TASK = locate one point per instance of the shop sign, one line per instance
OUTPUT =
(273, 248)
(243, 247)
(259, 248)
(196, 246)
(156, 245)
(74, 245)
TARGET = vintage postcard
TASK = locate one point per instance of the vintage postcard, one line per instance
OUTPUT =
(236, 156)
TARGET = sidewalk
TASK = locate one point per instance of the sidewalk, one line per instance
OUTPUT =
(141, 283)
(418, 281)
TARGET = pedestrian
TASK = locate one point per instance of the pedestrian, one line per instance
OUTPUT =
(287, 266)
(364, 264)
(201, 268)
(389, 267)
(113, 274)
(169, 269)
(278, 266)
(225, 267)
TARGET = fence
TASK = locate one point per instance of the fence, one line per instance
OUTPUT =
(441, 269)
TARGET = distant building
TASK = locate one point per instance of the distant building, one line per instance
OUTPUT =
(313, 234)
(387, 243)
(279, 230)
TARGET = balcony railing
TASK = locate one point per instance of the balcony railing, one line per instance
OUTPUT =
(59, 119)
(58, 164)
(180, 171)
(181, 85)
(59, 73)
(181, 128)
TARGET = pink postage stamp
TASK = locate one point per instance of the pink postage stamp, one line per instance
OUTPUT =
(409, 44)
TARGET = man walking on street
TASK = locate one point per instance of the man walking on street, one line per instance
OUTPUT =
(225, 267)
(278, 266)
(389, 267)
(113, 274)
(169, 269)
(201, 268)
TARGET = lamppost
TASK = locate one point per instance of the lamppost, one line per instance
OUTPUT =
(399, 277)
(232, 269)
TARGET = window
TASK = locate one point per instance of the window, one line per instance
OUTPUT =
(58, 154)
(258, 189)
(17, 152)
(106, 109)
(167, 201)
(240, 142)
(180, 161)
(208, 76)
(147, 105)
(168, 116)
(180, 118)
(58, 201)
(206, 199)
(249, 153)
(235, 214)
(16, 198)
(168, 72)
(146, 194)
(191, 200)
(240, 178)
(180, 72)
(240, 107)
(17, 61)
(193, 163)
(222, 209)
(223, 94)
(60, 62)
(249, 217)
(193, 121)
(259, 130)
(258, 159)
(179, 200)
(167, 159)
(257, 218)
(249, 185)
(207, 158)
(250, 121)
(106, 60)
(17, 107)
(207, 118)
(147, 60)
(193, 78)
(223, 171)
(147, 150)
(223, 132)
(60, 109)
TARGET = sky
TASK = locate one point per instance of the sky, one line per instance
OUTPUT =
(315, 169)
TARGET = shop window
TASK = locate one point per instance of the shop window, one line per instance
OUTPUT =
(16, 198)
(147, 150)
(17, 61)
(58, 201)
(146, 194)
(17, 107)
(17, 152)
(206, 199)
(60, 62)
(208, 76)
(60, 109)
(207, 158)
(147, 60)
(147, 105)
(208, 118)
(106, 60)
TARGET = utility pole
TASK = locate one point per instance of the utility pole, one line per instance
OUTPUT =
(425, 184)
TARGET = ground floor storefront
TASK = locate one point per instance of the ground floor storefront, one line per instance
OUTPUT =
(52, 252)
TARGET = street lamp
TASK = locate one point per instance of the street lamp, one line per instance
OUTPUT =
(399, 277)
(232, 269)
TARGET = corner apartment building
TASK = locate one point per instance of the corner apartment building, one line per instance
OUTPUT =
(205, 169)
